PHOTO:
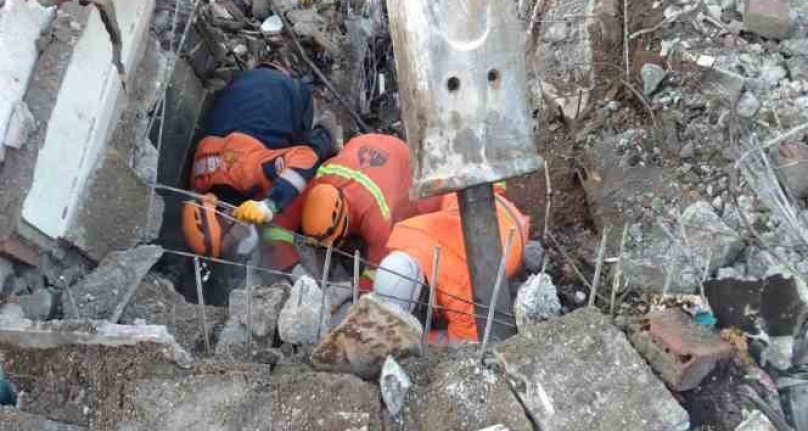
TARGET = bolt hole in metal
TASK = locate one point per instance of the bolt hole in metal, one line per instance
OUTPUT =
(493, 76)
(453, 84)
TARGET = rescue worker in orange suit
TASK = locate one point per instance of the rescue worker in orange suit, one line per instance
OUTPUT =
(259, 152)
(361, 193)
(411, 244)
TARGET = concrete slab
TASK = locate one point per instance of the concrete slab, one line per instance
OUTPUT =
(17, 172)
(86, 364)
(28, 334)
(82, 118)
(452, 391)
(113, 212)
(579, 372)
(21, 22)
(98, 295)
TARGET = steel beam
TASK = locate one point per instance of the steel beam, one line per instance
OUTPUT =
(483, 253)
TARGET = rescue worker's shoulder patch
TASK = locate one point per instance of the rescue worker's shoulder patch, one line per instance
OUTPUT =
(371, 157)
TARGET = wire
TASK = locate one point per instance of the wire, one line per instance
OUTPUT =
(307, 240)
(330, 283)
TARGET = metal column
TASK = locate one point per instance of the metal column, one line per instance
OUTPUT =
(483, 252)
(462, 83)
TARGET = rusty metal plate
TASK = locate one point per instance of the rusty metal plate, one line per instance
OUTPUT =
(462, 88)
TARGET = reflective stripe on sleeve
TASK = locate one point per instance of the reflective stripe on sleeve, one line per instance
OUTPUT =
(275, 233)
(294, 179)
(360, 178)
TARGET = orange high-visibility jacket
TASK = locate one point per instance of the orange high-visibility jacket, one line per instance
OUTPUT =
(418, 235)
(373, 173)
(243, 164)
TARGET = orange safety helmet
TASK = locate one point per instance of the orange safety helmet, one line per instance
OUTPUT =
(325, 214)
(201, 226)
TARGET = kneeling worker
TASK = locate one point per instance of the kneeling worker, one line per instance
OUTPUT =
(259, 152)
(363, 192)
(411, 244)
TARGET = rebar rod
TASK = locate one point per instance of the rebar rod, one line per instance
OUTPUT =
(431, 303)
(200, 299)
(356, 277)
(497, 286)
(324, 283)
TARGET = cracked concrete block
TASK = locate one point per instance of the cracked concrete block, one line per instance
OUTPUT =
(710, 242)
(298, 320)
(113, 212)
(451, 390)
(81, 119)
(267, 302)
(579, 372)
(768, 18)
(98, 294)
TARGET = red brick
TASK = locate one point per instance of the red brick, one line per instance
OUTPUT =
(768, 18)
(20, 250)
(679, 350)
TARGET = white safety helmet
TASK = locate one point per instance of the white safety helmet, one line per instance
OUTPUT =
(398, 280)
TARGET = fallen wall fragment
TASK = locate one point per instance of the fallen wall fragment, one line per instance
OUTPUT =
(81, 119)
(111, 285)
(86, 364)
(579, 372)
(451, 390)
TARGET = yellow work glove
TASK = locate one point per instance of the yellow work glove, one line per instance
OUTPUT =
(257, 212)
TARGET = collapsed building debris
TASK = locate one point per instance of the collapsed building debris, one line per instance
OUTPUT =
(452, 390)
(557, 370)
(156, 302)
(105, 292)
(372, 330)
(682, 352)
(301, 318)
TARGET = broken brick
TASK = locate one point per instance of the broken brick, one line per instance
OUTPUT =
(17, 248)
(682, 352)
(768, 18)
